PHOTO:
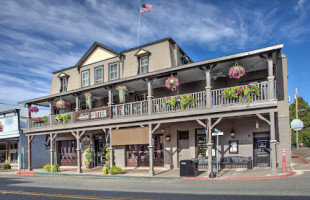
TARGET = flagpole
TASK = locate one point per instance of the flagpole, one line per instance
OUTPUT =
(139, 27)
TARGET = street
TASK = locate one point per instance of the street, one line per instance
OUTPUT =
(66, 187)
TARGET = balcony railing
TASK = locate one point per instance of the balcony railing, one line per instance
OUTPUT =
(130, 109)
(159, 105)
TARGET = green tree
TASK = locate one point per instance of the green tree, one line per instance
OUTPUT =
(303, 115)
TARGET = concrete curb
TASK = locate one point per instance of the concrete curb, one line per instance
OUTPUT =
(243, 178)
(152, 177)
(300, 158)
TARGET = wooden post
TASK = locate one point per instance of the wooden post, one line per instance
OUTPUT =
(270, 78)
(51, 112)
(296, 108)
(30, 138)
(51, 149)
(209, 145)
(273, 142)
(151, 161)
(110, 102)
(111, 149)
(149, 96)
(208, 87)
(78, 150)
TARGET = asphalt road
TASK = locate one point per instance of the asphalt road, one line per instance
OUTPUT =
(62, 187)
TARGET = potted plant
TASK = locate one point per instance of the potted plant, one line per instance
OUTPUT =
(236, 71)
(62, 118)
(60, 104)
(32, 109)
(185, 101)
(88, 97)
(244, 92)
(172, 83)
(121, 93)
(88, 158)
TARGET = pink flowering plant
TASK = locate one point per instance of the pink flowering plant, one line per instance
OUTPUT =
(236, 71)
(32, 109)
(185, 101)
(172, 83)
(244, 92)
(61, 104)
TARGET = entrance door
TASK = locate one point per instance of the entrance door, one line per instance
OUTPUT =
(99, 151)
(158, 150)
(67, 153)
(183, 146)
(261, 152)
(137, 155)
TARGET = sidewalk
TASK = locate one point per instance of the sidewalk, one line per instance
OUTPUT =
(162, 173)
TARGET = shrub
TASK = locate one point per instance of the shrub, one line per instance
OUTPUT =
(55, 168)
(47, 167)
(105, 169)
(115, 170)
(88, 155)
(5, 166)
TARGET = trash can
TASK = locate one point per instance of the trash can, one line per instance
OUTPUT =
(188, 168)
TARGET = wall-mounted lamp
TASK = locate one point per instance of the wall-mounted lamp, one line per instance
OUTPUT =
(168, 138)
(232, 133)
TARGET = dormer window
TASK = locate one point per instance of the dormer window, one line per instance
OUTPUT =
(144, 65)
(143, 57)
(63, 82)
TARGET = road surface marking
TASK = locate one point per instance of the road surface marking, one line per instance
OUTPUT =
(20, 192)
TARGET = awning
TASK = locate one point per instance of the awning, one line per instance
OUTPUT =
(130, 136)
(9, 139)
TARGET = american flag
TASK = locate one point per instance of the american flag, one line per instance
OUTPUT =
(145, 8)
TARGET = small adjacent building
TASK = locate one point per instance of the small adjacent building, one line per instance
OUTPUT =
(13, 142)
(154, 106)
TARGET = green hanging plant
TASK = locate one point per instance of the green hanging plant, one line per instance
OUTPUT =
(62, 118)
(244, 92)
(184, 100)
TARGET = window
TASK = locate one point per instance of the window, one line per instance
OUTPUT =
(144, 65)
(85, 78)
(98, 75)
(64, 84)
(114, 71)
(141, 97)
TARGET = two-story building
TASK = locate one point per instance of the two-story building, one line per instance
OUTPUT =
(119, 99)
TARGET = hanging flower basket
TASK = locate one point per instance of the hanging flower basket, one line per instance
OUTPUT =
(32, 109)
(121, 93)
(172, 83)
(88, 97)
(61, 104)
(236, 71)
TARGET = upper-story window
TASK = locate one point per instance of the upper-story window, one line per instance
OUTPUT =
(63, 81)
(144, 65)
(99, 75)
(64, 84)
(114, 71)
(85, 78)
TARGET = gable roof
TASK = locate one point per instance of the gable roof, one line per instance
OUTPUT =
(91, 49)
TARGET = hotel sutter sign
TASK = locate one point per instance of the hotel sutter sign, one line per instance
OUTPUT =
(93, 114)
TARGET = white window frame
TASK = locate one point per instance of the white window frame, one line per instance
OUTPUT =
(64, 84)
(99, 77)
(85, 81)
(116, 72)
(144, 65)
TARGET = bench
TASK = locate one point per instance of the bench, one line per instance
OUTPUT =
(236, 162)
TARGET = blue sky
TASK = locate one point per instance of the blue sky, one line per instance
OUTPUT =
(38, 37)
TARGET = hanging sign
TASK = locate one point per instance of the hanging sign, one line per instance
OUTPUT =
(93, 114)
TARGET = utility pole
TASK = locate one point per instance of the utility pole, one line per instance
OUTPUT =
(296, 97)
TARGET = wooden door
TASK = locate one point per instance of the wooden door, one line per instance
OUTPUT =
(67, 153)
(131, 153)
(158, 150)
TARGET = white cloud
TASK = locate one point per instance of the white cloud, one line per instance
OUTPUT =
(39, 37)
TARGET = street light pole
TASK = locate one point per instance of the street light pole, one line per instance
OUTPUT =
(296, 97)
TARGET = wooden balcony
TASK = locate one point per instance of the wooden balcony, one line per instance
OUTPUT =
(158, 106)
